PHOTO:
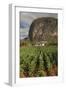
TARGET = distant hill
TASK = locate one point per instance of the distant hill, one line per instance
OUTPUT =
(44, 29)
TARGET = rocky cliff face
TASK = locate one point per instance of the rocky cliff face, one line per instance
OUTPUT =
(42, 29)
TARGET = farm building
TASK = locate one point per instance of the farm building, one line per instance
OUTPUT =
(41, 43)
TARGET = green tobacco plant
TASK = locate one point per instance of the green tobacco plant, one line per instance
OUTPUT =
(38, 61)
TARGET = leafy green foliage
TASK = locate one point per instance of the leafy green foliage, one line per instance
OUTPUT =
(38, 61)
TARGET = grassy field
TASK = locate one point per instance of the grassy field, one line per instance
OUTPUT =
(38, 61)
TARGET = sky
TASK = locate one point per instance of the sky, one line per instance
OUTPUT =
(26, 18)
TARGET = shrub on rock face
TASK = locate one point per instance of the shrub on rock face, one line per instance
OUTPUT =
(42, 29)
